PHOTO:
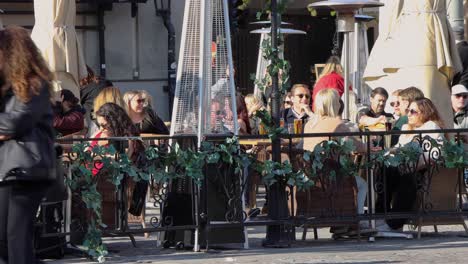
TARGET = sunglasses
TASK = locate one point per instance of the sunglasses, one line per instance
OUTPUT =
(461, 95)
(413, 112)
(287, 102)
(303, 95)
(141, 101)
(394, 104)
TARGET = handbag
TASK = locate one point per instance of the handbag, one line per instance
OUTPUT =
(30, 158)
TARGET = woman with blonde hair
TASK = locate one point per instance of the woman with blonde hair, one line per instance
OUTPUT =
(253, 104)
(27, 156)
(138, 104)
(327, 109)
(331, 77)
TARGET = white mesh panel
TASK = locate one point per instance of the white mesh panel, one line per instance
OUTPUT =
(217, 96)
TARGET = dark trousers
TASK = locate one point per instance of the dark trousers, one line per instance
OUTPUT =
(399, 196)
(18, 208)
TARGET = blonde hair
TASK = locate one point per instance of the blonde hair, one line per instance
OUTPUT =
(253, 103)
(128, 97)
(327, 103)
(333, 65)
(110, 94)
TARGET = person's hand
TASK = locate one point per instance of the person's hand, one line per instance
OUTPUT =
(4, 137)
(382, 119)
(305, 108)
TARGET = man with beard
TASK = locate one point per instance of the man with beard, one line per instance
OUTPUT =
(376, 114)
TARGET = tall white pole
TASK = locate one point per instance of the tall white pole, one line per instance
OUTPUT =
(356, 62)
(346, 76)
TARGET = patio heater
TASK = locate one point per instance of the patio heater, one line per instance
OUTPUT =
(262, 64)
(204, 100)
(360, 55)
(346, 10)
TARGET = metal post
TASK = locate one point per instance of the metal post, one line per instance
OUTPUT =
(346, 75)
(165, 14)
(277, 200)
(102, 47)
(356, 53)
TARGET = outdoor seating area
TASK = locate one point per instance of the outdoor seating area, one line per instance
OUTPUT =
(298, 122)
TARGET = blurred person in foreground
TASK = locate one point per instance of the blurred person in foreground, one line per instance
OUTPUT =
(27, 156)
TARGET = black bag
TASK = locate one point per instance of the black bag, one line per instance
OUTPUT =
(30, 158)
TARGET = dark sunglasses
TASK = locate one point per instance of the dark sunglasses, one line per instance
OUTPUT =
(413, 112)
(461, 95)
(302, 96)
(287, 102)
(141, 101)
(393, 104)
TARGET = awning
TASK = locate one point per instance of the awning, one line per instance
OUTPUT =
(418, 50)
(54, 34)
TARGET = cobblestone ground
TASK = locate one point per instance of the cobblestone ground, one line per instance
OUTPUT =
(448, 246)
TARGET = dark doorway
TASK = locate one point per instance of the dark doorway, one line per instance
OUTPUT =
(302, 51)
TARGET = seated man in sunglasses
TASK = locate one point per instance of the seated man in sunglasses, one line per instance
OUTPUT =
(460, 105)
(376, 114)
(300, 108)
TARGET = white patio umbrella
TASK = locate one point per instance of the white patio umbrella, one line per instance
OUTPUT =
(54, 34)
(418, 50)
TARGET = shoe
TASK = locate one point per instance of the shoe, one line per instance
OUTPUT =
(253, 212)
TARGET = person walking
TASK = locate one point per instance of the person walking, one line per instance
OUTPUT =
(27, 155)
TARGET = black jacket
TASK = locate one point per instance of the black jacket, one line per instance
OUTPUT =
(29, 153)
(152, 123)
(462, 77)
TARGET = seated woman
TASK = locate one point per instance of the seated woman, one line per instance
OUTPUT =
(113, 121)
(401, 187)
(142, 114)
(242, 116)
(327, 106)
(253, 104)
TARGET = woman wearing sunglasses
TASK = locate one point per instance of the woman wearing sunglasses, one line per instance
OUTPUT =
(142, 114)
(422, 115)
(401, 186)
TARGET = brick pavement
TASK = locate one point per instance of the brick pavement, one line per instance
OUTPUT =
(448, 246)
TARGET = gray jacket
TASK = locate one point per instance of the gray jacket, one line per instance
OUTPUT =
(29, 153)
(460, 119)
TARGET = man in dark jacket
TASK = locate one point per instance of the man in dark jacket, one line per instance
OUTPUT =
(68, 116)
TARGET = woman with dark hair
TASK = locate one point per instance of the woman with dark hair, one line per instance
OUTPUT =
(422, 115)
(27, 155)
(113, 121)
(402, 186)
(68, 114)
